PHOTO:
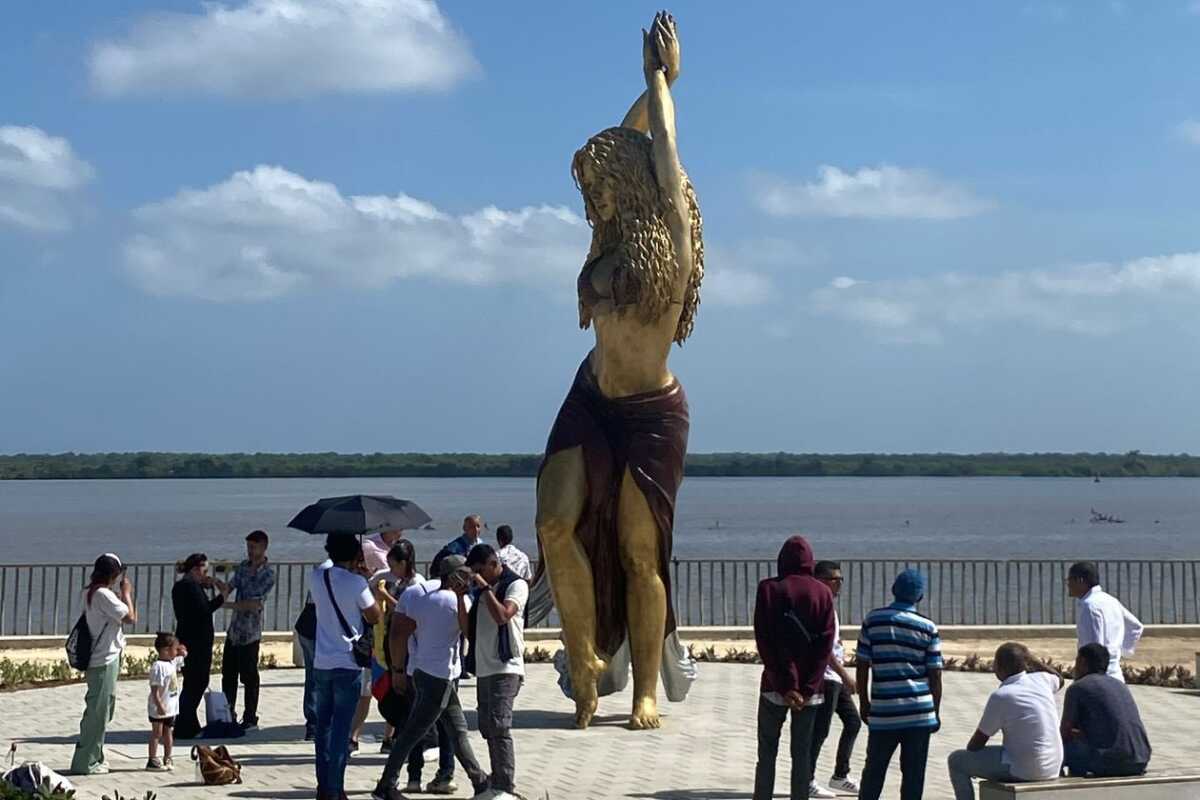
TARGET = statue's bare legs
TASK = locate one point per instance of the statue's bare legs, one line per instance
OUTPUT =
(562, 492)
(646, 600)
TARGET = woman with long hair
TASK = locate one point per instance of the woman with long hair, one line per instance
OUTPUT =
(614, 460)
(194, 609)
(107, 604)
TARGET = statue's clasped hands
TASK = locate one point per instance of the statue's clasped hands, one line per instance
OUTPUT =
(660, 47)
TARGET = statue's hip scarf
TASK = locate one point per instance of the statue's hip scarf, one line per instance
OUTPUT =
(646, 433)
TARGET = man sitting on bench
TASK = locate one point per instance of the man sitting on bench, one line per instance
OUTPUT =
(1024, 708)
(1102, 730)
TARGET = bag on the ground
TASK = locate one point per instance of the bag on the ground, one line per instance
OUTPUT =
(216, 708)
(37, 779)
(79, 644)
(215, 767)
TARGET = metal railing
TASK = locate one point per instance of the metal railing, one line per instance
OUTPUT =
(46, 600)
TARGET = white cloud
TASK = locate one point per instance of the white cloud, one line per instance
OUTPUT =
(1189, 130)
(885, 192)
(286, 48)
(38, 172)
(735, 287)
(1090, 299)
(267, 231)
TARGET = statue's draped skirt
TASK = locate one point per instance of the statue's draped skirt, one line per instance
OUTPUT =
(646, 433)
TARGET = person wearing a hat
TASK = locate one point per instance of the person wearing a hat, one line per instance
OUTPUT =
(434, 615)
(107, 604)
(899, 688)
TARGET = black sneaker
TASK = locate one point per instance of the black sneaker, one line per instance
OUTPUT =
(381, 792)
(249, 723)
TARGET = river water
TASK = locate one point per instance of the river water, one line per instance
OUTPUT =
(57, 522)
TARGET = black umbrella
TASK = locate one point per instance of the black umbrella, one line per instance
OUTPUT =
(359, 514)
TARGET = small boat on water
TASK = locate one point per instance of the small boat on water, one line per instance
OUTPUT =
(1098, 517)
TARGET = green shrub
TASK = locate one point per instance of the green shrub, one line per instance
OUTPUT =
(1171, 676)
(20, 674)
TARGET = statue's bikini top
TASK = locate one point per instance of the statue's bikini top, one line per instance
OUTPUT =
(588, 296)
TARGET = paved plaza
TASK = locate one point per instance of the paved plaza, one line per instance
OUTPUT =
(706, 750)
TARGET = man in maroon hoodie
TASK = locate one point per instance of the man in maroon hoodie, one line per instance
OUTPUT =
(793, 626)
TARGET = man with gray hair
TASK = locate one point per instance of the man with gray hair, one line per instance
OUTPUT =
(472, 530)
(435, 615)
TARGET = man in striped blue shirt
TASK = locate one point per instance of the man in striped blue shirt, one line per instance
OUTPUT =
(899, 675)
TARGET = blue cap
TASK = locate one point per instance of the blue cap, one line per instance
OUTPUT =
(909, 586)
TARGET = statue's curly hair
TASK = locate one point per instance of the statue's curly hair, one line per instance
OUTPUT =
(622, 158)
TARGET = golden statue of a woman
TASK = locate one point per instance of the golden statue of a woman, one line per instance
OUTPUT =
(614, 460)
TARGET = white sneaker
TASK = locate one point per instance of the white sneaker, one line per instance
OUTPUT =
(817, 790)
(844, 785)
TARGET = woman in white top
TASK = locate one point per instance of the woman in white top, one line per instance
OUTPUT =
(391, 583)
(107, 604)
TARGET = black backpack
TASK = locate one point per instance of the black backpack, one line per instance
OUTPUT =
(80, 643)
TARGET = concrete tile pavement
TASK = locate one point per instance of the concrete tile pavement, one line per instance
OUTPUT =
(705, 751)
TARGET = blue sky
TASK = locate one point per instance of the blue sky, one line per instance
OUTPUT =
(292, 225)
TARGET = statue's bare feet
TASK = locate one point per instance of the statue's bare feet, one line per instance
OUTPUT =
(585, 708)
(583, 687)
(645, 714)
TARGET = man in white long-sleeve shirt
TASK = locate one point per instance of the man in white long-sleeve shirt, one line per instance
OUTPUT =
(1100, 617)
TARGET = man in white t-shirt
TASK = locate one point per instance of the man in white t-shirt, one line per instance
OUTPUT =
(497, 634)
(1024, 708)
(839, 698)
(1101, 618)
(343, 600)
(433, 616)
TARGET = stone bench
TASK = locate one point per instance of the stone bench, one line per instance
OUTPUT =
(1144, 787)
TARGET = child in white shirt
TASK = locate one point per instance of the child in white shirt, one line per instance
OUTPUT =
(163, 705)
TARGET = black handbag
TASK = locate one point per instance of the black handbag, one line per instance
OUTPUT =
(80, 643)
(306, 623)
(362, 645)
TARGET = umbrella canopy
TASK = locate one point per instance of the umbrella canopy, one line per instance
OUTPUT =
(359, 514)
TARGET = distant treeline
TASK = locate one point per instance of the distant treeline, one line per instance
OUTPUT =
(470, 465)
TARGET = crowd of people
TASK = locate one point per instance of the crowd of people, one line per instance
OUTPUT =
(181, 672)
(898, 681)
(419, 629)
(374, 629)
